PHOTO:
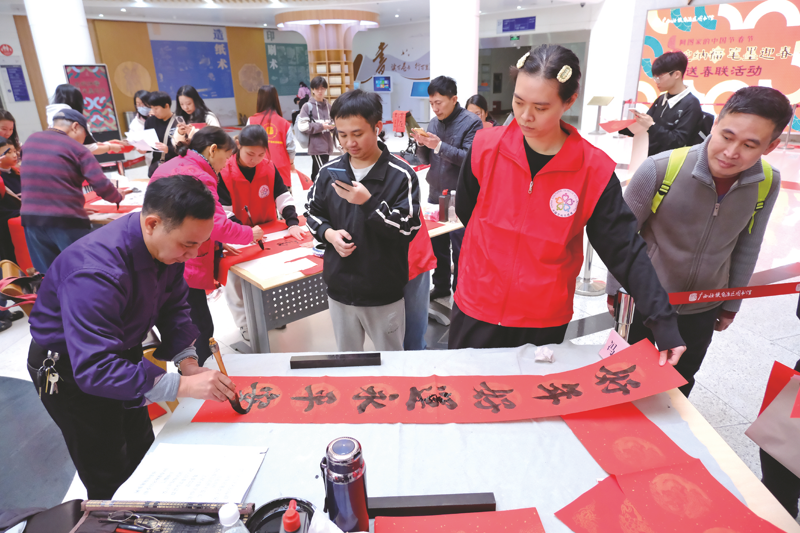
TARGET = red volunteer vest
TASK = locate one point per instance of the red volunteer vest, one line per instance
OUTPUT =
(420, 252)
(277, 128)
(258, 196)
(522, 251)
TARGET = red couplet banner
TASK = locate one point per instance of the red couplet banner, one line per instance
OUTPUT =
(628, 375)
(729, 46)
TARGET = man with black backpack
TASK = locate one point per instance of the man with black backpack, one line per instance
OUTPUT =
(703, 212)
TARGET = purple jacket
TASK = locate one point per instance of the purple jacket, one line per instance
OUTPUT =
(101, 297)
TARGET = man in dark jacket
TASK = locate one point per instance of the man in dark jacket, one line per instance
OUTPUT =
(448, 139)
(674, 118)
(365, 207)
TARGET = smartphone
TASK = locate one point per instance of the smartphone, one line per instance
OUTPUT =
(340, 174)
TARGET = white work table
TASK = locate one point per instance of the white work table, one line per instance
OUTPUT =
(531, 463)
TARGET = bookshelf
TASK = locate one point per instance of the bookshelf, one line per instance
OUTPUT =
(329, 36)
(336, 66)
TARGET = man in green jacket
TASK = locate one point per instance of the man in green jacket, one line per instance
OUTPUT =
(706, 231)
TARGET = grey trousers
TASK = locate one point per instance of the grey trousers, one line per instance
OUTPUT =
(385, 325)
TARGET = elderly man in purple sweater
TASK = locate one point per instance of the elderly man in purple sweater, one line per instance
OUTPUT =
(53, 170)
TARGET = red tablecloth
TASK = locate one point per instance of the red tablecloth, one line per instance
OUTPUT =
(270, 248)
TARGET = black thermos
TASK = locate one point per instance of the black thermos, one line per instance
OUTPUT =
(344, 473)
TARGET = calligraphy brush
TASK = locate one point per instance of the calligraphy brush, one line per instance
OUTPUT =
(236, 404)
(247, 210)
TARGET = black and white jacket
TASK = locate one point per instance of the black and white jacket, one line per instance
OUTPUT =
(676, 121)
(382, 228)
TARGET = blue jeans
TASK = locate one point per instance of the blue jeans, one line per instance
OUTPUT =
(417, 295)
(46, 242)
(441, 249)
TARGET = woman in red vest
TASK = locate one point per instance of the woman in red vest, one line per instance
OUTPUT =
(281, 147)
(526, 193)
(256, 191)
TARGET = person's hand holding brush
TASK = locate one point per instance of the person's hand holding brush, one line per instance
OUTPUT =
(204, 384)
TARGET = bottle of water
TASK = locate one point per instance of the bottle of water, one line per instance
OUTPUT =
(229, 518)
(451, 210)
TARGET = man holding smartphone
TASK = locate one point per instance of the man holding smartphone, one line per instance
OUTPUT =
(365, 207)
(674, 118)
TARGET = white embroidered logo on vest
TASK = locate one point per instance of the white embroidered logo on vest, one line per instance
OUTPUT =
(263, 191)
(564, 203)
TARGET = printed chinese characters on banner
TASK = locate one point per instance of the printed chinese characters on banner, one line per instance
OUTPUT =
(750, 43)
(625, 376)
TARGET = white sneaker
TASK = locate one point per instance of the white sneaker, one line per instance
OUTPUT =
(245, 333)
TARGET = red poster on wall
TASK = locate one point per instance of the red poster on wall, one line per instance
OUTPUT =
(729, 46)
(628, 375)
(98, 102)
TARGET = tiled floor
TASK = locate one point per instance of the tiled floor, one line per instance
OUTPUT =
(729, 387)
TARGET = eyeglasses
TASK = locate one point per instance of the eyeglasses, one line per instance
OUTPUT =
(662, 75)
(149, 523)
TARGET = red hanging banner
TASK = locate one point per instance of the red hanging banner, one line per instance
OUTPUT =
(628, 375)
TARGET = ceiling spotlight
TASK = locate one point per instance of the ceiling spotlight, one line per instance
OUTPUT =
(101, 15)
(519, 7)
(265, 24)
(396, 16)
(123, 10)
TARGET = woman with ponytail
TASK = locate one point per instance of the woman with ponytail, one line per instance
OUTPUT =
(202, 158)
(525, 194)
(256, 190)
(281, 148)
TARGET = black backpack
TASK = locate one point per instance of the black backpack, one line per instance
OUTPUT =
(703, 129)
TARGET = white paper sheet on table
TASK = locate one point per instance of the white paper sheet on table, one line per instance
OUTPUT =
(144, 140)
(194, 473)
(133, 199)
(275, 236)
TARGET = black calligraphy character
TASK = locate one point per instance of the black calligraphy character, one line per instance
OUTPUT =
(319, 398)
(486, 396)
(264, 398)
(620, 380)
(440, 397)
(372, 398)
(555, 393)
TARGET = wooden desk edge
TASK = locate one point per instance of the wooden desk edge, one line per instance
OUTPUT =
(758, 498)
(266, 284)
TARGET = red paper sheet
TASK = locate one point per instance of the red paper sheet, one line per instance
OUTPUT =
(796, 408)
(686, 498)
(623, 440)
(778, 378)
(91, 197)
(431, 224)
(254, 251)
(604, 509)
(617, 125)
(155, 411)
(516, 521)
(628, 375)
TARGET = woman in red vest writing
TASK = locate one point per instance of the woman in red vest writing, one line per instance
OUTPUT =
(525, 194)
(281, 147)
(255, 189)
